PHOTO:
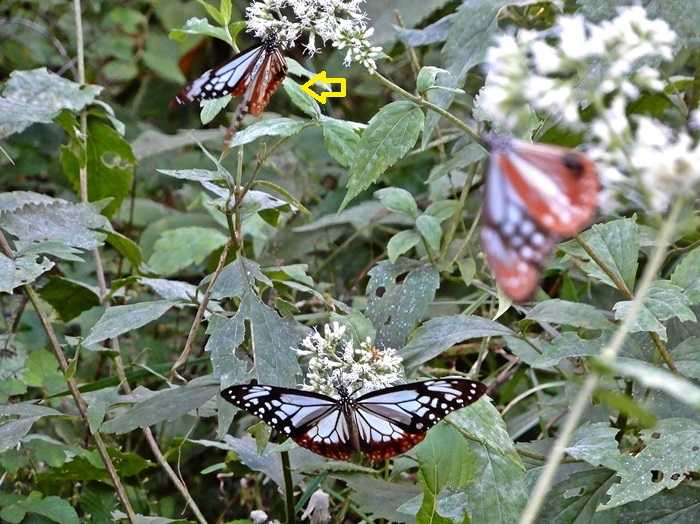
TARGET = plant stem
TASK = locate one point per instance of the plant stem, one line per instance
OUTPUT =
(457, 215)
(608, 355)
(425, 103)
(288, 487)
(182, 359)
(622, 287)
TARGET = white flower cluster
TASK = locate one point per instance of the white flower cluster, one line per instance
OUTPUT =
(335, 361)
(341, 22)
(584, 63)
(578, 64)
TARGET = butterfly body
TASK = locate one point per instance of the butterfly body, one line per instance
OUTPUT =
(255, 74)
(379, 424)
(536, 194)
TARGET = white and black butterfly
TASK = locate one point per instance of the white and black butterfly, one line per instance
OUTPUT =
(536, 194)
(254, 73)
(379, 424)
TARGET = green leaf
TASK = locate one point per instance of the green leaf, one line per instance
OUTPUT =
(199, 26)
(357, 325)
(68, 297)
(576, 498)
(687, 357)
(225, 10)
(430, 230)
(341, 139)
(679, 505)
(391, 133)
(359, 216)
(670, 449)
(464, 153)
(400, 243)
(272, 341)
(53, 508)
(237, 278)
(471, 34)
(650, 376)
(567, 345)
(127, 248)
(439, 469)
(110, 165)
(38, 96)
(11, 432)
(383, 15)
(179, 248)
(687, 276)
(301, 99)
(287, 196)
(428, 78)
(117, 320)
(213, 12)
(195, 175)
(467, 270)
(625, 404)
(21, 270)
(395, 308)
(382, 499)
(164, 405)
(211, 108)
(570, 314)
(274, 126)
(398, 200)
(59, 228)
(442, 209)
(663, 302)
(616, 243)
(42, 371)
(441, 333)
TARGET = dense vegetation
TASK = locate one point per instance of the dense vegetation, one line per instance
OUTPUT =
(145, 266)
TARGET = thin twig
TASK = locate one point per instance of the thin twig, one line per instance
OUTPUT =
(608, 355)
(288, 487)
(425, 103)
(182, 359)
(622, 287)
(72, 386)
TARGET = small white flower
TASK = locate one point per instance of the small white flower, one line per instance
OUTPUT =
(258, 516)
(318, 508)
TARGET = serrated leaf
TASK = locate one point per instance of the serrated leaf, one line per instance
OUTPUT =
(390, 134)
(37, 96)
(179, 248)
(117, 320)
(687, 275)
(59, 227)
(395, 308)
(441, 333)
(341, 139)
(616, 243)
(668, 449)
(237, 278)
(398, 200)
(21, 270)
(568, 313)
(164, 405)
(400, 243)
(663, 302)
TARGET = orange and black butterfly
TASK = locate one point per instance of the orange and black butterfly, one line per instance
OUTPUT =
(255, 74)
(536, 194)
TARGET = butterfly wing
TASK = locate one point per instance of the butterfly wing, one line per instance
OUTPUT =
(230, 78)
(535, 194)
(393, 420)
(312, 420)
(558, 186)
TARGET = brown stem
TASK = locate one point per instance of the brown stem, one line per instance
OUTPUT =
(182, 359)
(622, 288)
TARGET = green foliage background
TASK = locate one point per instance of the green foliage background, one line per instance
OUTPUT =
(363, 211)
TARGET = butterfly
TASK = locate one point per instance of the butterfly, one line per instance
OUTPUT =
(536, 194)
(380, 424)
(255, 74)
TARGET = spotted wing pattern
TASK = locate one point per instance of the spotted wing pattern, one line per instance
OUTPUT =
(230, 78)
(314, 421)
(535, 195)
(393, 420)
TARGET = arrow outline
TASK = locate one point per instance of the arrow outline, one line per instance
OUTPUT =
(322, 76)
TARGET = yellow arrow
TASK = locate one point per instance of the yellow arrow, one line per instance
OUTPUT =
(323, 96)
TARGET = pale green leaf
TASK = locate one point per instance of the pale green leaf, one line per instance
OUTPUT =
(179, 248)
(21, 270)
(430, 230)
(117, 320)
(398, 200)
(570, 314)
(400, 243)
